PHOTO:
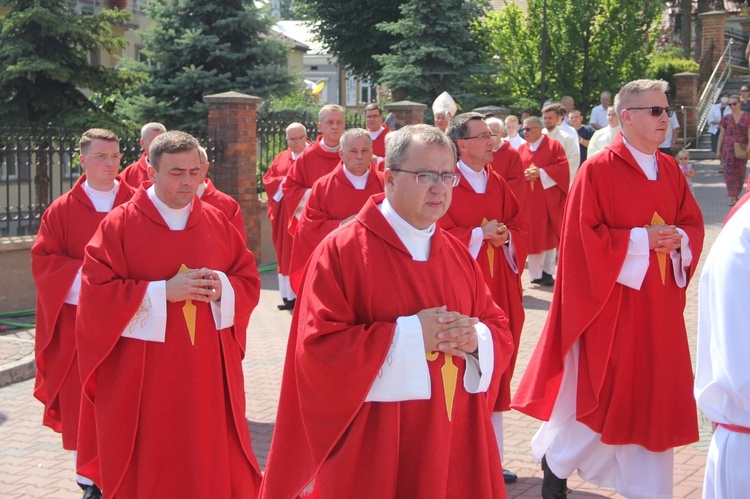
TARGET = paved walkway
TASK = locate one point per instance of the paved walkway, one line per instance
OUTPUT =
(33, 464)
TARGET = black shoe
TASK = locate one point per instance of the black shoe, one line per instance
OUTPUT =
(509, 476)
(92, 492)
(537, 281)
(553, 487)
(287, 305)
(547, 279)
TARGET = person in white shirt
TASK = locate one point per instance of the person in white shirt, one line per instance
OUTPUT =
(673, 132)
(605, 135)
(512, 127)
(599, 113)
(551, 118)
(718, 111)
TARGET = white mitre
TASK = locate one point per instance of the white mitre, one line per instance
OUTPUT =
(444, 104)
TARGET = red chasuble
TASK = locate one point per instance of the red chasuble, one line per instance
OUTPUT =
(544, 207)
(313, 163)
(226, 204)
(635, 381)
(507, 163)
(333, 198)
(378, 145)
(136, 173)
(67, 226)
(469, 210)
(169, 417)
(362, 281)
(277, 213)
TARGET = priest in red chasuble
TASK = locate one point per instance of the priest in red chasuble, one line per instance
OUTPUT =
(377, 130)
(317, 160)
(611, 374)
(506, 162)
(296, 138)
(136, 173)
(547, 180)
(395, 350)
(486, 217)
(167, 291)
(56, 259)
(335, 198)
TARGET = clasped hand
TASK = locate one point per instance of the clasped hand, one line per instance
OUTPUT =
(495, 232)
(194, 284)
(448, 332)
(663, 238)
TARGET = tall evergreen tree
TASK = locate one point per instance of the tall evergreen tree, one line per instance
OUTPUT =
(44, 66)
(437, 49)
(202, 47)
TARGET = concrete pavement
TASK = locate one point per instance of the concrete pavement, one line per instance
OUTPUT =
(33, 463)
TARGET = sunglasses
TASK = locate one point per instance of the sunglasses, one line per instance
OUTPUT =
(656, 110)
(529, 128)
(733, 103)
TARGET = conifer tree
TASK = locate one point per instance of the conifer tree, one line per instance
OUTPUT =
(436, 49)
(44, 66)
(201, 47)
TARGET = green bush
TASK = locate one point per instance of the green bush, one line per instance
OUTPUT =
(664, 64)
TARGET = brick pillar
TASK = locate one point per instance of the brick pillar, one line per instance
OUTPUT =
(407, 112)
(712, 41)
(232, 123)
(686, 94)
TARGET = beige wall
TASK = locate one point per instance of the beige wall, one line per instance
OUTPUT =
(17, 291)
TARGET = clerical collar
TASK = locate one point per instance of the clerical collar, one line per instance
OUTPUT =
(359, 182)
(502, 141)
(477, 179)
(535, 145)
(417, 241)
(176, 219)
(647, 162)
(202, 188)
(374, 135)
(329, 148)
(102, 200)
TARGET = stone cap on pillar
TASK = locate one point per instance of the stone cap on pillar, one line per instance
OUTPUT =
(231, 97)
(686, 74)
(713, 13)
(404, 105)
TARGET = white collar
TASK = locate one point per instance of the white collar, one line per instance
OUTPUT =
(417, 241)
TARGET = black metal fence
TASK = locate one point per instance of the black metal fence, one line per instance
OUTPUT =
(39, 165)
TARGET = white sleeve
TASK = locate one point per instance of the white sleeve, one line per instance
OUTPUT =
(547, 181)
(75, 289)
(404, 375)
(223, 308)
(681, 260)
(634, 269)
(279, 193)
(509, 250)
(302, 203)
(478, 372)
(475, 243)
(150, 321)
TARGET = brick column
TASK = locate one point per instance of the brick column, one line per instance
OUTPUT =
(232, 123)
(686, 94)
(712, 41)
(407, 112)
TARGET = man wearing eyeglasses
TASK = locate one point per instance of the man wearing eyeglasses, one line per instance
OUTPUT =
(611, 374)
(395, 351)
(56, 259)
(168, 289)
(314, 162)
(336, 198)
(547, 179)
(137, 173)
(296, 138)
(487, 218)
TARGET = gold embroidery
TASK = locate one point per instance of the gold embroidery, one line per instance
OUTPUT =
(450, 377)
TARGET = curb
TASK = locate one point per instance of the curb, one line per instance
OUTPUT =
(18, 370)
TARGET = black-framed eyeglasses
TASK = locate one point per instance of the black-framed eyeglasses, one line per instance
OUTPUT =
(733, 103)
(428, 179)
(529, 128)
(484, 136)
(656, 110)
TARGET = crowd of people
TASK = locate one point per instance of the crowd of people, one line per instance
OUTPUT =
(400, 253)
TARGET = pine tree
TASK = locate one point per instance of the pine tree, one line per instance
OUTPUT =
(201, 47)
(44, 67)
(436, 49)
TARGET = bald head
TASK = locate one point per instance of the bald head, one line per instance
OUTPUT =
(296, 137)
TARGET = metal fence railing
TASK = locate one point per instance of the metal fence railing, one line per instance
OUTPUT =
(37, 165)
